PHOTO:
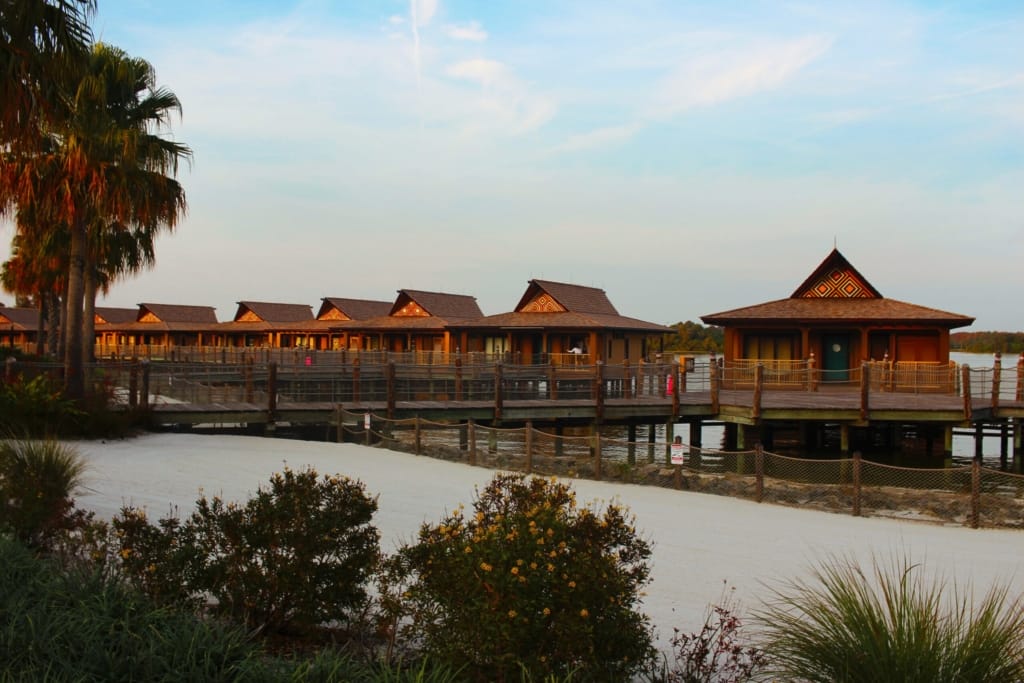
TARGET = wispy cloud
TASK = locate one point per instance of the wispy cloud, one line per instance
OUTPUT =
(485, 72)
(505, 102)
(600, 138)
(729, 75)
(471, 31)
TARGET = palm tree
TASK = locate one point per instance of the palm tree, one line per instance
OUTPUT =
(106, 170)
(41, 43)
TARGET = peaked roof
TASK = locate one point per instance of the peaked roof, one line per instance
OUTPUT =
(572, 298)
(115, 316)
(439, 304)
(174, 313)
(836, 291)
(274, 313)
(836, 278)
(22, 317)
(355, 309)
(562, 306)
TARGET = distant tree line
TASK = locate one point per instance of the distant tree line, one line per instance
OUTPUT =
(694, 338)
(987, 342)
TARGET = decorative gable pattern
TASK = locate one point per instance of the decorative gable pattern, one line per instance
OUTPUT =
(543, 303)
(838, 284)
(248, 317)
(411, 310)
(149, 317)
(333, 314)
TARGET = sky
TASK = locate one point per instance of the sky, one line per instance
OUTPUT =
(686, 157)
(704, 545)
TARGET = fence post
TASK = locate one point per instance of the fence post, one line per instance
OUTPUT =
(416, 432)
(675, 391)
(271, 390)
(499, 398)
(755, 408)
(714, 386)
(144, 396)
(552, 381)
(965, 371)
(472, 442)
(391, 390)
(355, 380)
(597, 454)
(599, 390)
(856, 483)
(133, 384)
(759, 470)
(458, 378)
(997, 374)
(529, 447)
(975, 491)
(865, 383)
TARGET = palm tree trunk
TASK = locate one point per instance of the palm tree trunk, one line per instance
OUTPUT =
(74, 379)
(54, 328)
(41, 300)
(89, 318)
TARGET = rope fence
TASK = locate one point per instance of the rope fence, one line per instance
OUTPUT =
(971, 496)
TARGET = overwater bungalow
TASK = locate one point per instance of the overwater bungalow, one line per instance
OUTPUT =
(19, 326)
(418, 322)
(834, 322)
(334, 310)
(561, 324)
(156, 330)
(271, 325)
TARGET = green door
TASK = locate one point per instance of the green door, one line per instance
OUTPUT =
(835, 362)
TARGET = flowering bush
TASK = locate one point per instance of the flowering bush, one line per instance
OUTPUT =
(528, 585)
(296, 555)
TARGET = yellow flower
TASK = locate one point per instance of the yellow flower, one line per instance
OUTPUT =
(547, 611)
(520, 563)
(572, 584)
(533, 565)
(512, 614)
(467, 550)
(551, 567)
(486, 567)
(126, 553)
(515, 570)
(584, 613)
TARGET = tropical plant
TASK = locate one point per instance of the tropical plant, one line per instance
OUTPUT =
(296, 555)
(527, 585)
(37, 481)
(103, 168)
(891, 624)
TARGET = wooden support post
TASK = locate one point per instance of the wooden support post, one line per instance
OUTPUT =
(947, 446)
(133, 385)
(631, 445)
(1004, 445)
(499, 388)
(250, 388)
(670, 435)
(552, 382)
(755, 408)
(965, 371)
(844, 438)
(597, 454)
(975, 492)
(682, 377)
(675, 392)
(979, 440)
(416, 432)
(492, 440)
(391, 390)
(759, 471)
(997, 375)
(599, 391)
(463, 437)
(367, 427)
(1019, 394)
(144, 395)
(472, 442)
(271, 391)
(627, 385)
(529, 447)
(356, 387)
(1018, 445)
(856, 483)
(714, 387)
(812, 373)
(458, 378)
(651, 437)
(865, 385)
(696, 443)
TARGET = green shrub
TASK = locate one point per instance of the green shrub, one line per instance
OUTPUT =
(529, 586)
(37, 480)
(37, 407)
(58, 626)
(296, 555)
(891, 624)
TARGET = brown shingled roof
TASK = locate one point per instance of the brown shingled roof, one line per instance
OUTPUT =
(574, 298)
(175, 313)
(274, 312)
(439, 304)
(355, 309)
(832, 310)
(566, 320)
(23, 318)
(115, 316)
